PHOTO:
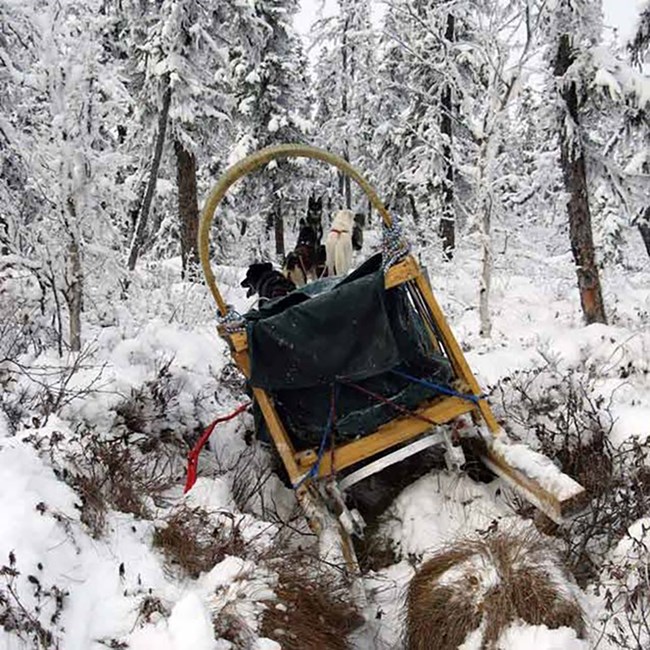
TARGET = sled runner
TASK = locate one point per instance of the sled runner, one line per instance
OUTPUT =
(352, 374)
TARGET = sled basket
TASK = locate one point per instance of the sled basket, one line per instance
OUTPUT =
(346, 370)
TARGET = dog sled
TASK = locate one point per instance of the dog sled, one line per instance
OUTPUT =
(350, 375)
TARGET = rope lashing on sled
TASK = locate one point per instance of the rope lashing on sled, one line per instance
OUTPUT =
(193, 456)
(328, 433)
(232, 321)
(440, 388)
(394, 246)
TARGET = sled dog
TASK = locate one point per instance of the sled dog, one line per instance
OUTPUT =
(338, 245)
(263, 279)
(307, 260)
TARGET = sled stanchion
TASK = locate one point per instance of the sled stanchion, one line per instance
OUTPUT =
(456, 356)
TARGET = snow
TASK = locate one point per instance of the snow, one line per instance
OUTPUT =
(520, 636)
(210, 494)
(190, 626)
(475, 565)
(80, 117)
(537, 467)
(620, 79)
(440, 507)
(537, 325)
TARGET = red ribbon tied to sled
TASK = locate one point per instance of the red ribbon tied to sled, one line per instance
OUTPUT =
(193, 456)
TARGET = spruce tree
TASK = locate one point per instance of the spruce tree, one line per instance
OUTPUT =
(345, 85)
(272, 103)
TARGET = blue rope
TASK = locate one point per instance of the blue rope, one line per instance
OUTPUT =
(445, 390)
(323, 441)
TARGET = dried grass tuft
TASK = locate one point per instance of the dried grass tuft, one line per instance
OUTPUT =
(193, 544)
(488, 582)
(311, 612)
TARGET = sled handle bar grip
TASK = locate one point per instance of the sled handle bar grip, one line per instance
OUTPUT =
(253, 162)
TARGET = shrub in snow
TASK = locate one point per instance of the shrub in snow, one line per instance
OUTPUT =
(624, 585)
(111, 472)
(194, 542)
(159, 408)
(482, 585)
(571, 424)
(33, 617)
(311, 610)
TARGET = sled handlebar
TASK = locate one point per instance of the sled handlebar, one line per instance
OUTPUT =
(253, 162)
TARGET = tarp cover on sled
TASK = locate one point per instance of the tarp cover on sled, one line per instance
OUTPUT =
(335, 339)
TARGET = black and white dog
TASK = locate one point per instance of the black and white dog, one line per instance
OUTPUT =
(307, 261)
(263, 279)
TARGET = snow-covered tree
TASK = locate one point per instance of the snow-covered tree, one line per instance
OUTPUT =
(639, 52)
(641, 40)
(575, 30)
(435, 67)
(387, 105)
(272, 98)
(344, 88)
(179, 76)
(61, 139)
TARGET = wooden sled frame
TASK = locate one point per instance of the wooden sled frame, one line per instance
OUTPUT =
(556, 503)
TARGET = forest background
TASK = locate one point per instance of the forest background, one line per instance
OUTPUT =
(511, 138)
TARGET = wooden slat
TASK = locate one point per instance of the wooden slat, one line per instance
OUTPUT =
(279, 434)
(390, 434)
(239, 341)
(401, 272)
(454, 351)
(555, 505)
(277, 431)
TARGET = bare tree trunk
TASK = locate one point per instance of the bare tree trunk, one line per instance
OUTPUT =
(345, 186)
(73, 291)
(575, 183)
(278, 228)
(141, 225)
(188, 209)
(644, 229)
(57, 320)
(347, 183)
(417, 222)
(4, 236)
(644, 226)
(447, 229)
(414, 210)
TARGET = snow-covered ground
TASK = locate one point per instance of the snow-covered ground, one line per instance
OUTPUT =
(115, 589)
